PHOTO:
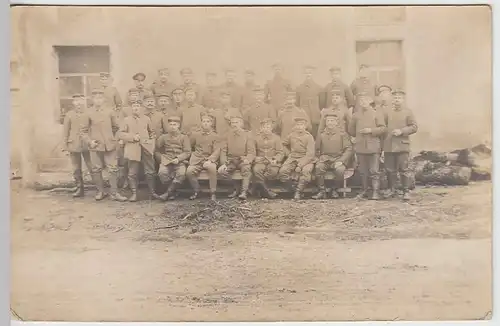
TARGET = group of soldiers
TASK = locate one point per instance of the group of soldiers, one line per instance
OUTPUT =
(273, 132)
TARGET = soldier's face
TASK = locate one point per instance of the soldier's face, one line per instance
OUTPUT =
(331, 122)
(163, 102)
(77, 102)
(174, 125)
(136, 109)
(278, 70)
(336, 75)
(210, 80)
(150, 103)
(190, 96)
(178, 96)
(104, 80)
(98, 100)
(259, 96)
(249, 78)
(225, 100)
(139, 83)
(164, 75)
(336, 99)
(385, 96)
(206, 123)
(236, 123)
(300, 125)
(266, 128)
(230, 77)
(187, 78)
(133, 97)
(308, 74)
(398, 99)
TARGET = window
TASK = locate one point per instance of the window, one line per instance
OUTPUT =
(383, 15)
(385, 59)
(79, 68)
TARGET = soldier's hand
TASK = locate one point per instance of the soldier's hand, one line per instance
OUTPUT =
(298, 169)
(245, 161)
(93, 144)
(175, 161)
(365, 131)
(274, 161)
(338, 165)
(397, 132)
(121, 142)
(223, 168)
(207, 164)
(137, 138)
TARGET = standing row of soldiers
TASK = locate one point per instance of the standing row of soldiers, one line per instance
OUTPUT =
(172, 135)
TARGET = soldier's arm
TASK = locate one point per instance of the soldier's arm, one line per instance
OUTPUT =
(272, 113)
(160, 142)
(267, 93)
(216, 151)
(351, 130)
(118, 99)
(123, 133)
(251, 151)
(321, 125)
(310, 151)
(347, 152)
(318, 145)
(349, 96)
(322, 97)
(380, 128)
(278, 147)
(66, 130)
(411, 125)
(223, 152)
(115, 125)
(286, 145)
(186, 150)
(85, 129)
(151, 130)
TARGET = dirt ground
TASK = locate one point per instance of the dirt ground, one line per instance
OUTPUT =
(78, 260)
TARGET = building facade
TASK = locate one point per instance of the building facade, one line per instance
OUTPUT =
(444, 65)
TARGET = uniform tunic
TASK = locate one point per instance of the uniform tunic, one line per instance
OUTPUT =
(248, 95)
(159, 87)
(300, 147)
(73, 142)
(275, 91)
(332, 146)
(368, 118)
(256, 113)
(268, 147)
(236, 93)
(191, 117)
(210, 97)
(173, 146)
(308, 94)
(286, 122)
(238, 146)
(197, 88)
(344, 114)
(112, 97)
(326, 97)
(156, 122)
(206, 148)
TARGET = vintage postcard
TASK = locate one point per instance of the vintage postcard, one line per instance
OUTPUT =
(251, 163)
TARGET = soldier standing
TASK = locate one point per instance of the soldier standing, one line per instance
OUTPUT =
(300, 146)
(99, 134)
(337, 83)
(112, 97)
(205, 156)
(276, 88)
(248, 96)
(384, 98)
(178, 100)
(258, 112)
(233, 88)
(188, 82)
(138, 134)
(334, 151)
(162, 85)
(367, 125)
(175, 150)
(269, 157)
(363, 83)
(308, 94)
(165, 106)
(238, 152)
(400, 125)
(223, 112)
(139, 79)
(191, 113)
(153, 115)
(211, 93)
(73, 142)
(336, 107)
(286, 118)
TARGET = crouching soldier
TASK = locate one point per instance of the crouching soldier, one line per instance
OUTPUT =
(400, 125)
(334, 150)
(238, 152)
(72, 142)
(99, 134)
(300, 145)
(367, 126)
(269, 157)
(205, 156)
(138, 135)
(175, 150)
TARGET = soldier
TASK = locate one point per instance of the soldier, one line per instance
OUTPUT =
(99, 134)
(112, 97)
(188, 82)
(223, 112)
(308, 94)
(162, 85)
(400, 125)
(165, 106)
(258, 112)
(73, 142)
(269, 157)
(191, 113)
(300, 146)
(153, 115)
(210, 97)
(367, 125)
(285, 121)
(205, 156)
(334, 151)
(384, 98)
(337, 83)
(132, 96)
(175, 150)
(336, 107)
(276, 88)
(139, 79)
(178, 100)
(238, 152)
(233, 88)
(138, 134)
(248, 95)
(363, 84)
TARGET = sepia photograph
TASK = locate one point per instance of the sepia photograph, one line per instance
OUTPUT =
(251, 163)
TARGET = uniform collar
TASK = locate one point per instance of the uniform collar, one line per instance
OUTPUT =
(206, 132)
(329, 131)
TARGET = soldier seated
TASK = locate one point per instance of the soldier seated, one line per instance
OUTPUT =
(334, 150)
(300, 144)
(238, 152)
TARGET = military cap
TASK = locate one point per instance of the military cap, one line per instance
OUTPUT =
(133, 90)
(136, 102)
(211, 73)
(97, 91)
(399, 91)
(266, 121)
(163, 69)
(148, 95)
(177, 89)
(249, 72)
(186, 71)
(174, 119)
(381, 88)
(104, 74)
(258, 89)
(77, 95)
(290, 91)
(336, 91)
(335, 68)
(236, 116)
(331, 114)
(299, 118)
(363, 66)
(163, 95)
(189, 89)
(138, 75)
(207, 115)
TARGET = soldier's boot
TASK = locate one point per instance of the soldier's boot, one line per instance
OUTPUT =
(245, 183)
(79, 192)
(391, 190)
(133, 187)
(337, 185)
(195, 195)
(268, 192)
(299, 190)
(115, 195)
(235, 192)
(150, 179)
(99, 183)
(253, 189)
(172, 190)
(321, 187)
(376, 188)
(405, 182)
(121, 177)
(364, 188)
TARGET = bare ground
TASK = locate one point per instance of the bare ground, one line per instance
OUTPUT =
(78, 260)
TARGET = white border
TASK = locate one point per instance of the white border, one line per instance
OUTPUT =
(5, 121)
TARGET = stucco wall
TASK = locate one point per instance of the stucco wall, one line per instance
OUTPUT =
(448, 56)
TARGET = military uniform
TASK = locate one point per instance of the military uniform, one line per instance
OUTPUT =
(340, 111)
(99, 134)
(248, 98)
(235, 91)
(397, 147)
(162, 87)
(210, 95)
(308, 94)
(173, 146)
(286, 120)
(258, 112)
(368, 145)
(300, 147)
(138, 134)
(364, 86)
(74, 121)
(191, 117)
(346, 92)
(276, 90)
(112, 97)
(205, 156)
(238, 152)
(143, 91)
(196, 87)
(334, 151)
(270, 155)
